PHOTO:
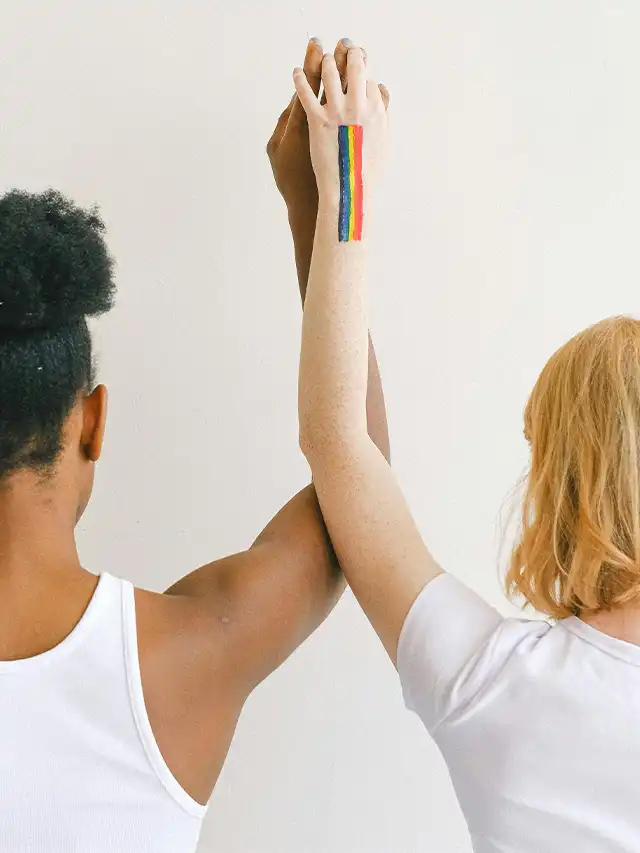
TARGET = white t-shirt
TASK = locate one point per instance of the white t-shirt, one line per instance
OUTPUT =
(539, 724)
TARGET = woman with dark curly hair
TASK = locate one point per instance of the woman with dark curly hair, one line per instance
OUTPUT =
(117, 706)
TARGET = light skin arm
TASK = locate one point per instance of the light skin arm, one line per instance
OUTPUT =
(374, 535)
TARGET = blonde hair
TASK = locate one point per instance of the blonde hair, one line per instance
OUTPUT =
(579, 548)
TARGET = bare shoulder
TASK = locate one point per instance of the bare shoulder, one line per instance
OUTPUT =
(182, 624)
(189, 696)
(210, 639)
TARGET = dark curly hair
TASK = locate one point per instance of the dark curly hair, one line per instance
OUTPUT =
(55, 271)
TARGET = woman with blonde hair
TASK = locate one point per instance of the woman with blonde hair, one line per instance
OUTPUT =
(537, 720)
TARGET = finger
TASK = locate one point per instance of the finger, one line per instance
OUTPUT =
(356, 76)
(340, 56)
(281, 125)
(331, 81)
(313, 72)
(313, 64)
(307, 96)
(374, 94)
(384, 94)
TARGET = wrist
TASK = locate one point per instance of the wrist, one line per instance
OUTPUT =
(302, 223)
(329, 198)
(331, 216)
(303, 209)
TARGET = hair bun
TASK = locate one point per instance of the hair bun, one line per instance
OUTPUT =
(54, 265)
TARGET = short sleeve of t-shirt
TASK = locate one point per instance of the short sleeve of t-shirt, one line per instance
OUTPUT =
(440, 647)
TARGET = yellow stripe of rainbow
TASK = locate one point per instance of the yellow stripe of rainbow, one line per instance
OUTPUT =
(352, 182)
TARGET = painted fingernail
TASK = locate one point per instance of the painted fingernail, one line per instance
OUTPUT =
(346, 42)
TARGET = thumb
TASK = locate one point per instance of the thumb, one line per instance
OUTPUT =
(384, 94)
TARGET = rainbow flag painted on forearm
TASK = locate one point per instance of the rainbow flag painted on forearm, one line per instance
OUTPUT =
(351, 191)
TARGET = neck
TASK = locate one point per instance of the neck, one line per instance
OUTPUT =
(37, 523)
(43, 588)
(623, 622)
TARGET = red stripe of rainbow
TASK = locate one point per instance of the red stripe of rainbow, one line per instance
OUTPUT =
(351, 189)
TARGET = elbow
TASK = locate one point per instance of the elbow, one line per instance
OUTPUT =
(318, 434)
(317, 450)
(324, 444)
(312, 440)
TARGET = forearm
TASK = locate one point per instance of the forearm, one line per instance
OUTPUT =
(302, 221)
(334, 367)
(303, 226)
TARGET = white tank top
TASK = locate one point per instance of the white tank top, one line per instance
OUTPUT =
(80, 769)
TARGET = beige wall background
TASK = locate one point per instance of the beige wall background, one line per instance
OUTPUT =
(509, 222)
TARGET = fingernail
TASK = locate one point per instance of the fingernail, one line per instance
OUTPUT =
(346, 42)
(316, 41)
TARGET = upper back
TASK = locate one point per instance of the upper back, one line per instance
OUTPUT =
(537, 723)
(81, 766)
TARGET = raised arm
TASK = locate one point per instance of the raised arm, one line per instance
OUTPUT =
(378, 545)
(288, 151)
(277, 592)
(216, 633)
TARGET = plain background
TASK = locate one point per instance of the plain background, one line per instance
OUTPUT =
(509, 222)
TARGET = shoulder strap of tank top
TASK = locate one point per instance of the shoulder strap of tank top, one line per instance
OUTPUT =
(145, 731)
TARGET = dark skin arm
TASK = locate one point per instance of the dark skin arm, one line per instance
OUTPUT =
(214, 635)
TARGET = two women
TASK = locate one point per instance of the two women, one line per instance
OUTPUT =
(118, 705)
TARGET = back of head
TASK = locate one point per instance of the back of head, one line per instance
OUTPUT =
(579, 549)
(55, 271)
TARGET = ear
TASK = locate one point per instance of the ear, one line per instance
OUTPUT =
(94, 423)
